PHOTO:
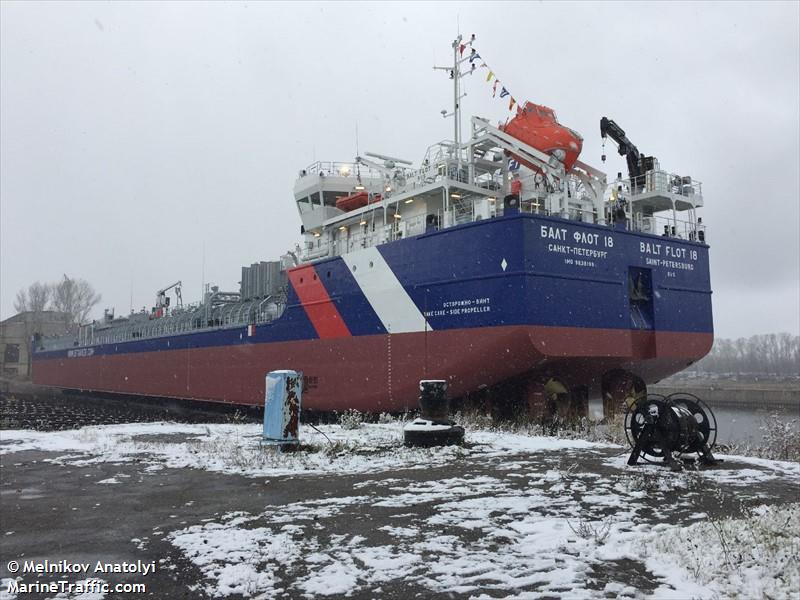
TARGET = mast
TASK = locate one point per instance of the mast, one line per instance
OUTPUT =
(455, 75)
(456, 99)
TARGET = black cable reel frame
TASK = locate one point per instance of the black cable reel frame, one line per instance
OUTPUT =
(659, 427)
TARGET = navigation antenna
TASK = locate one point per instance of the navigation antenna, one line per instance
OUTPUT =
(358, 166)
(455, 74)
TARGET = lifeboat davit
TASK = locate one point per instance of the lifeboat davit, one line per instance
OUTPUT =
(537, 126)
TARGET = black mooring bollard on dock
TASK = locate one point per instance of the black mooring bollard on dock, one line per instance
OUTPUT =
(433, 427)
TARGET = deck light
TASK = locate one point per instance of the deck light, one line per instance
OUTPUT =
(455, 195)
(342, 228)
(409, 201)
(397, 216)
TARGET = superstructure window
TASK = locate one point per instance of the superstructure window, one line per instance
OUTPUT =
(330, 197)
(304, 205)
(308, 203)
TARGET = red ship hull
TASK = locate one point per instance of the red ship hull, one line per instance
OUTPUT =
(338, 376)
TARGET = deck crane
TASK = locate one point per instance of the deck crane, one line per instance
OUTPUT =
(638, 164)
(391, 169)
(389, 162)
(162, 300)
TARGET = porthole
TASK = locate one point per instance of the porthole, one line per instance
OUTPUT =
(315, 277)
(301, 280)
(329, 274)
(370, 264)
(354, 268)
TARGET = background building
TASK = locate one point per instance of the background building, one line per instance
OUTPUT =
(15, 338)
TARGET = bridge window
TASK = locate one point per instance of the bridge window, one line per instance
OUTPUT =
(330, 197)
(304, 205)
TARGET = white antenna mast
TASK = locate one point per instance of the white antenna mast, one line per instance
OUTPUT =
(455, 75)
(203, 277)
(359, 186)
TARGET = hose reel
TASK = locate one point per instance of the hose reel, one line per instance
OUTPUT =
(660, 426)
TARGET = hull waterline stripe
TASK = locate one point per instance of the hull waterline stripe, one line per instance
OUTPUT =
(385, 293)
(319, 307)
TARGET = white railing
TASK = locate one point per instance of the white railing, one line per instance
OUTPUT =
(315, 252)
(669, 227)
(146, 328)
(665, 183)
(344, 169)
(413, 226)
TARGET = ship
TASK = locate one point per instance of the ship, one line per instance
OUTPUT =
(500, 263)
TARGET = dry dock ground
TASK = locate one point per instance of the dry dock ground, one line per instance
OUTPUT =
(216, 514)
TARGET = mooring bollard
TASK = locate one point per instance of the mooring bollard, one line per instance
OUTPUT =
(283, 395)
(433, 427)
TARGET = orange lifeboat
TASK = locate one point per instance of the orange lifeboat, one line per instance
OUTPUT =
(354, 201)
(537, 126)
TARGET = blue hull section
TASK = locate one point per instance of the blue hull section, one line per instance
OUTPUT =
(516, 270)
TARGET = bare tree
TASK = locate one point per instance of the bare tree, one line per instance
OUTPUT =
(39, 296)
(759, 354)
(34, 299)
(75, 298)
(21, 301)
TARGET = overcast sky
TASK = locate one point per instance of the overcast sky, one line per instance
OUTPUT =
(134, 136)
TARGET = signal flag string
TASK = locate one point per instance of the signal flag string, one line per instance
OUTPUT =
(473, 56)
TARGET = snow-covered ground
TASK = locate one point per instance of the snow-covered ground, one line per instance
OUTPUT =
(238, 449)
(505, 516)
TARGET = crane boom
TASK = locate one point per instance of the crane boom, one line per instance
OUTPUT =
(374, 165)
(638, 164)
(161, 295)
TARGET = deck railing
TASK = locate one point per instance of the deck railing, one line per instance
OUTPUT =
(665, 183)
